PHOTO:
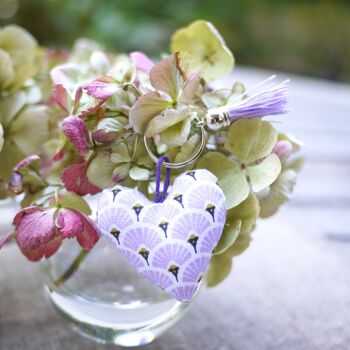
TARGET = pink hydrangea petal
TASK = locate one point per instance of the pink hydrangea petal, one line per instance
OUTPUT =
(15, 183)
(60, 97)
(26, 161)
(35, 228)
(26, 211)
(69, 223)
(77, 132)
(283, 148)
(90, 235)
(45, 250)
(75, 179)
(59, 155)
(105, 136)
(142, 62)
(6, 238)
(101, 88)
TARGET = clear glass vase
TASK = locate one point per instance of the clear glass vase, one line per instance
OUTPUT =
(106, 300)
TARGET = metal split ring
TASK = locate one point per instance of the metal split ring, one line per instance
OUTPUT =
(188, 161)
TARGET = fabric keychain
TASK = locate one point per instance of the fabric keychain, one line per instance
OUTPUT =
(159, 198)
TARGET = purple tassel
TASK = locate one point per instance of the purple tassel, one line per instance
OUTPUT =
(270, 100)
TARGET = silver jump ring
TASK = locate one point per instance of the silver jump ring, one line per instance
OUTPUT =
(188, 161)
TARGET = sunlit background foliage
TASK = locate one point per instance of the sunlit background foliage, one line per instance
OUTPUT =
(310, 37)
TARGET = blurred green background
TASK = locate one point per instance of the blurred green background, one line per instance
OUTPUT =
(310, 37)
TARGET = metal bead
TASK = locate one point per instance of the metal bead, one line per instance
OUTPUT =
(217, 119)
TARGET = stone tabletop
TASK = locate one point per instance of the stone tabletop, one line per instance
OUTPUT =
(289, 291)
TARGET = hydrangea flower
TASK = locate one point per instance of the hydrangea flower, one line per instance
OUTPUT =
(211, 57)
(166, 111)
(39, 231)
(252, 165)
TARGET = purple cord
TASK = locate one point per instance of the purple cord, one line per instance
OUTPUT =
(157, 197)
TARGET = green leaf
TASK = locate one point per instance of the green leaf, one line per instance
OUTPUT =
(231, 178)
(279, 193)
(229, 235)
(264, 173)
(146, 108)
(210, 54)
(70, 200)
(171, 74)
(139, 174)
(219, 268)
(251, 139)
(100, 171)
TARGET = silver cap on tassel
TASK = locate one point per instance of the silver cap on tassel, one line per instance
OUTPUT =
(217, 118)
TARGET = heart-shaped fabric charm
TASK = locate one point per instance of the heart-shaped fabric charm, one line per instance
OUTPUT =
(169, 243)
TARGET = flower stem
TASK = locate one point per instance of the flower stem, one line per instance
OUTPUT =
(72, 268)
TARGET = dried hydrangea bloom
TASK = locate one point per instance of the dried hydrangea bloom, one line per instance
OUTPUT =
(39, 232)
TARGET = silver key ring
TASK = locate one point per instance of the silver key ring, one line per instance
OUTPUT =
(188, 161)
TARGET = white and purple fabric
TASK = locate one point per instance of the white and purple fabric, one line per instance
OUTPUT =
(169, 243)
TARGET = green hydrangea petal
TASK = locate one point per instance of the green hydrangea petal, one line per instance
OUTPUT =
(247, 212)
(146, 108)
(124, 70)
(30, 129)
(7, 73)
(120, 154)
(10, 155)
(167, 119)
(231, 178)
(70, 200)
(139, 174)
(279, 193)
(177, 134)
(188, 148)
(100, 171)
(171, 73)
(251, 139)
(241, 244)
(229, 235)
(10, 106)
(219, 268)
(1, 137)
(264, 173)
(210, 54)
(121, 172)
(21, 47)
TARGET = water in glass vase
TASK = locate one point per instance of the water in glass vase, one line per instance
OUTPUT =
(105, 299)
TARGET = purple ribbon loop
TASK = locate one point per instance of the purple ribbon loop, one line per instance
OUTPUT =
(160, 198)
